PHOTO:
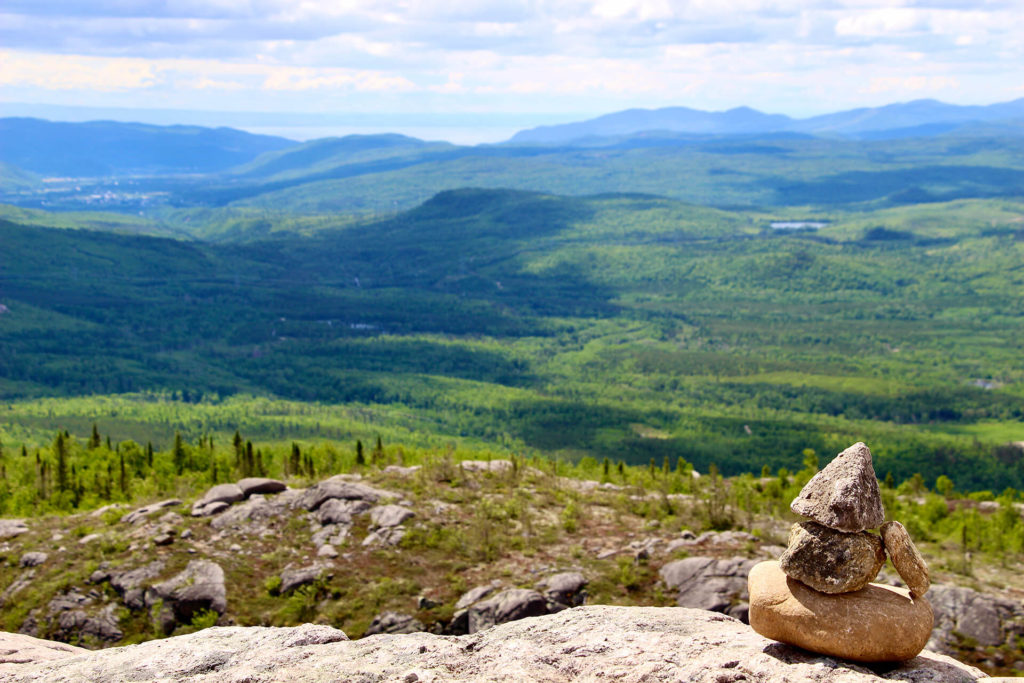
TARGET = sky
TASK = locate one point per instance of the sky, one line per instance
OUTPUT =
(504, 65)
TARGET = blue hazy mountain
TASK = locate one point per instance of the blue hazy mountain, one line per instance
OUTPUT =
(106, 148)
(920, 118)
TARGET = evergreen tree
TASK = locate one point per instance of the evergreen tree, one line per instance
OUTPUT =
(149, 455)
(3, 463)
(94, 440)
(60, 450)
(178, 454)
(378, 451)
(124, 474)
(237, 441)
(360, 458)
(294, 463)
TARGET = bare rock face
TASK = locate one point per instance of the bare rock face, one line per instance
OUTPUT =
(393, 622)
(989, 620)
(625, 644)
(832, 561)
(905, 558)
(875, 624)
(844, 496)
(200, 587)
(510, 605)
(707, 583)
(568, 589)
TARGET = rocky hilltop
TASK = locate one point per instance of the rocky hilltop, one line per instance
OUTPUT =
(581, 644)
(450, 549)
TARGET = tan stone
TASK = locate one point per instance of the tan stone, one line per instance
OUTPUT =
(905, 557)
(832, 561)
(875, 624)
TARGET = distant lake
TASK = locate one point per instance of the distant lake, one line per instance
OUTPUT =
(797, 225)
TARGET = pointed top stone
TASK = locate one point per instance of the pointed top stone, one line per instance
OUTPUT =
(844, 496)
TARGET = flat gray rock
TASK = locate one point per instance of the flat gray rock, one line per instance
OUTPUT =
(251, 485)
(9, 528)
(844, 496)
(600, 643)
(390, 515)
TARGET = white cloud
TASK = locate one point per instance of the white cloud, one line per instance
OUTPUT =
(541, 54)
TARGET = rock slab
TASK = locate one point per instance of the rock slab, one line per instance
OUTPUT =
(844, 496)
(832, 561)
(875, 624)
(599, 643)
(905, 558)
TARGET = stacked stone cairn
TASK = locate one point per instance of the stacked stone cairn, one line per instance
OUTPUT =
(819, 595)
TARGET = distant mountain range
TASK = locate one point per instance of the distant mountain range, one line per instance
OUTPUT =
(910, 119)
(110, 148)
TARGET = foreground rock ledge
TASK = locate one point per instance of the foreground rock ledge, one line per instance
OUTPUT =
(598, 643)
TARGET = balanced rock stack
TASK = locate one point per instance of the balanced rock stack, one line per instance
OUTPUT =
(819, 595)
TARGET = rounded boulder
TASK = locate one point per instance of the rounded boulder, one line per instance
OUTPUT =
(874, 624)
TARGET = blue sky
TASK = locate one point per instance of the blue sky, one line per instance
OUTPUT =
(531, 58)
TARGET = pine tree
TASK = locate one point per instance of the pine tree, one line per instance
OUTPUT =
(248, 460)
(294, 464)
(378, 451)
(179, 453)
(149, 455)
(61, 451)
(94, 440)
(237, 441)
(360, 458)
(124, 473)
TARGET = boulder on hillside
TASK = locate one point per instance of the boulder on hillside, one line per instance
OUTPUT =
(9, 528)
(509, 605)
(707, 583)
(32, 559)
(221, 493)
(316, 495)
(567, 589)
(139, 514)
(625, 644)
(252, 515)
(393, 622)
(251, 485)
(129, 583)
(988, 620)
(341, 511)
(293, 578)
(74, 616)
(390, 515)
(200, 587)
